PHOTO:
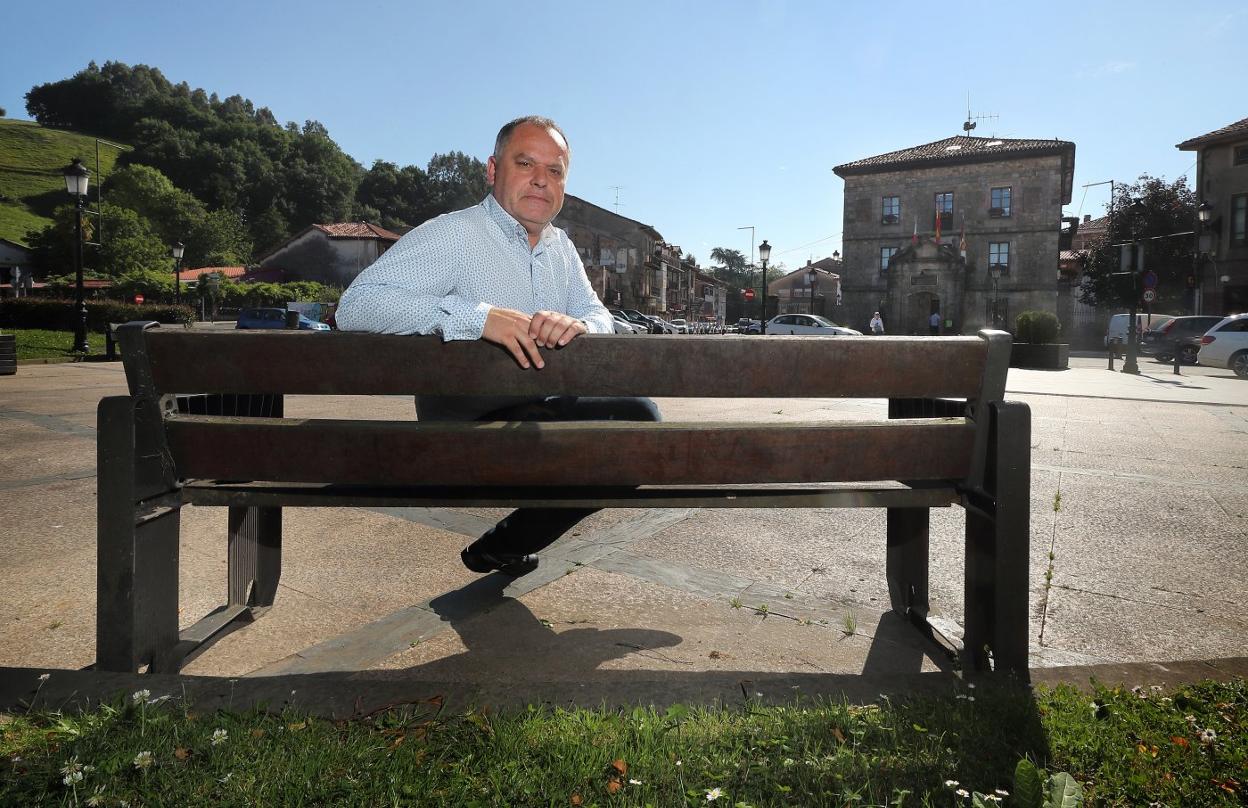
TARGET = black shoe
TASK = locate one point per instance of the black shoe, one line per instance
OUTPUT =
(513, 564)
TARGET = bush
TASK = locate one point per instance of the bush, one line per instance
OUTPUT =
(1037, 327)
(59, 315)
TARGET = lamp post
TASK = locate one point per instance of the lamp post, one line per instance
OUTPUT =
(177, 250)
(812, 278)
(77, 178)
(764, 252)
(1204, 212)
(995, 272)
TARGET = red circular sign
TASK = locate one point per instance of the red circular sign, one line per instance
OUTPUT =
(138, 298)
(748, 294)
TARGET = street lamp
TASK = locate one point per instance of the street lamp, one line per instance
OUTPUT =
(812, 278)
(995, 272)
(764, 252)
(176, 251)
(77, 178)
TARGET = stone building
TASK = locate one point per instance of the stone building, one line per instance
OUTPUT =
(332, 254)
(966, 226)
(800, 292)
(1222, 184)
(629, 264)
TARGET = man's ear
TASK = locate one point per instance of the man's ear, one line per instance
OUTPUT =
(490, 166)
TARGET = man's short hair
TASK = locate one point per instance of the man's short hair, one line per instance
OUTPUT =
(504, 134)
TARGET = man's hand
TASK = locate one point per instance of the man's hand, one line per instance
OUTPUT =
(521, 334)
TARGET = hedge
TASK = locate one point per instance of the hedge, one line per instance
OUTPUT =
(61, 315)
(1037, 327)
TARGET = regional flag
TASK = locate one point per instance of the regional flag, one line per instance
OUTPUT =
(962, 240)
(938, 228)
(915, 238)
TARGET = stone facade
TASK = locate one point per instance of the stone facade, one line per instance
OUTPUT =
(1222, 184)
(926, 277)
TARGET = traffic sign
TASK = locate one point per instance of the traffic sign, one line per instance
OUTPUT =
(1150, 280)
(1150, 295)
(748, 294)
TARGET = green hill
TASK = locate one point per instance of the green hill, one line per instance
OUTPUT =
(32, 158)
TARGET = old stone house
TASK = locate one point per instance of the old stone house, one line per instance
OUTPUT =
(801, 292)
(967, 227)
(1222, 185)
(627, 261)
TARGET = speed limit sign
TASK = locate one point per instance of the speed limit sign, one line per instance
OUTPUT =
(1150, 295)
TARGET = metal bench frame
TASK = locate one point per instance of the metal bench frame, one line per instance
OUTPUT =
(203, 425)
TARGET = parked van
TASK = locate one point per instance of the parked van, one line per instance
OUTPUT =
(1116, 332)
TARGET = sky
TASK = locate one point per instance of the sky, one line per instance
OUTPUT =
(698, 118)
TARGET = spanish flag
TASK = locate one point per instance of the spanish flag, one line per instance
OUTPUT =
(938, 227)
(915, 238)
(962, 240)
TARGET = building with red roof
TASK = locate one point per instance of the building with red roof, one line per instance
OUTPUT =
(332, 254)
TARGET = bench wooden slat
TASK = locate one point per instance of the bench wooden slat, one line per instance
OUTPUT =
(616, 453)
(345, 363)
(320, 495)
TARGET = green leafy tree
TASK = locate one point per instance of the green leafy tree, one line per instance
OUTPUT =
(456, 181)
(219, 239)
(172, 212)
(730, 267)
(1159, 215)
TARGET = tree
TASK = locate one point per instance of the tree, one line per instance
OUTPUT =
(455, 181)
(172, 212)
(129, 243)
(1159, 215)
(731, 269)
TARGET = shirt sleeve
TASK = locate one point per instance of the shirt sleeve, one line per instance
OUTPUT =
(410, 289)
(583, 302)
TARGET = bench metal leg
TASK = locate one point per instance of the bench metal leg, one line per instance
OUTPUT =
(255, 555)
(998, 541)
(907, 562)
(136, 619)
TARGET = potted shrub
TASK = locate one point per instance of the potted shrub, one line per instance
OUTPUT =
(1035, 342)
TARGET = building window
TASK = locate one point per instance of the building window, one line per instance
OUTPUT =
(890, 210)
(1239, 220)
(999, 204)
(886, 255)
(999, 255)
(1241, 155)
(944, 209)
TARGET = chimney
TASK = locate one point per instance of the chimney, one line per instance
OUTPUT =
(1087, 217)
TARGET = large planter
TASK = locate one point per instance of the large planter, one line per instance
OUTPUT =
(8, 354)
(1046, 356)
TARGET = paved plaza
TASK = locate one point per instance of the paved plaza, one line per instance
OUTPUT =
(1139, 528)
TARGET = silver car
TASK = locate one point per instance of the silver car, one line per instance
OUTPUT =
(808, 324)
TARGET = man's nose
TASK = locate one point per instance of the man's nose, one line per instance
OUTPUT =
(538, 179)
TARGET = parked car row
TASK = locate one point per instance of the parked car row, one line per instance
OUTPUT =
(1204, 339)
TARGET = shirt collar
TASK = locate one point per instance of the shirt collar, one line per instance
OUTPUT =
(508, 224)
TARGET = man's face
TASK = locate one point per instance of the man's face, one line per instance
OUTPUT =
(529, 176)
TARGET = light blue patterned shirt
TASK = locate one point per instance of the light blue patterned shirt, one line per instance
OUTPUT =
(446, 275)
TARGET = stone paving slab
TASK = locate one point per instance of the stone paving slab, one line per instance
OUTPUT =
(631, 605)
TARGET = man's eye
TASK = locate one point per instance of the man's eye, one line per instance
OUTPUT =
(523, 163)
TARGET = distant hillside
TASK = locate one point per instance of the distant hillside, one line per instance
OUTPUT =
(32, 158)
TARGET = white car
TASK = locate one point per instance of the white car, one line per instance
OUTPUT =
(1226, 345)
(808, 324)
(680, 325)
(663, 325)
(625, 327)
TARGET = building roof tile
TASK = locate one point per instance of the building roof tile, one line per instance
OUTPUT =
(356, 230)
(1234, 131)
(956, 149)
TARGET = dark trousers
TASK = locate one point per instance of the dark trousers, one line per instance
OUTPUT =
(528, 530)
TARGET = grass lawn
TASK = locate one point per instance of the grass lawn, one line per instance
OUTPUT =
(37, 343)
(975, 747)
(32, 158)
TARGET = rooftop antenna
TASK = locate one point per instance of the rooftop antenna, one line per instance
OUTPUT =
(617, 189)
(970, 122)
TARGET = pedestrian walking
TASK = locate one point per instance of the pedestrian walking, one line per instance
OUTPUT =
(934, 323)
(877, 325)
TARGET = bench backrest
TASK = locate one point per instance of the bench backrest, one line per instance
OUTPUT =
(165, 362)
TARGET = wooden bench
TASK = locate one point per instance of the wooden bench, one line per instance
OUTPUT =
(204, 425)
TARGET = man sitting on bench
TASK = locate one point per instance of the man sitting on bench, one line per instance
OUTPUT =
(498, 271)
